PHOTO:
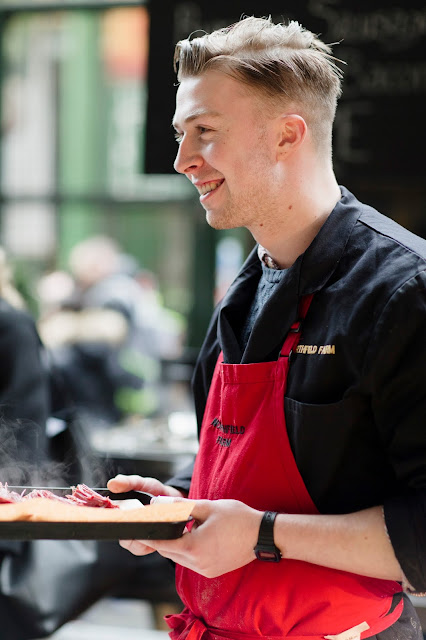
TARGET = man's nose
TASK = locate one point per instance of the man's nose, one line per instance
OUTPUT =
(187, 158)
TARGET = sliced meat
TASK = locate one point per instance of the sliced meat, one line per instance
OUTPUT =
(8, 497)
(43, 493)
(81, 495)
(87, 497)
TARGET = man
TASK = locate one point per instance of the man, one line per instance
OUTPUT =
(309, 389)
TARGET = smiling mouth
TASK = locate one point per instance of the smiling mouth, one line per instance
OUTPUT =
(205, 188)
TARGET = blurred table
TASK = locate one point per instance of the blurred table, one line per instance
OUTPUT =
(111, 619)
(156, 447)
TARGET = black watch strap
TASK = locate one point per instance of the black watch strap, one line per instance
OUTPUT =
(265, 549)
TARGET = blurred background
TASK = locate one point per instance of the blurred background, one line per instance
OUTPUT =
(87, 96)
(90, 204)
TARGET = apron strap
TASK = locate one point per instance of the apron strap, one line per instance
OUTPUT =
(186, 626)
(293, 336)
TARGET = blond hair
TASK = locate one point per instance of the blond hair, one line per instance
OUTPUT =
(285, 63)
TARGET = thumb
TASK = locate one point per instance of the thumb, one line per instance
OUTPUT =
(200, 512)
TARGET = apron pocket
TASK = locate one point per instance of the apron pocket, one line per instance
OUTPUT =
(339, 453)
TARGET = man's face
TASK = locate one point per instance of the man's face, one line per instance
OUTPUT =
(226, 149)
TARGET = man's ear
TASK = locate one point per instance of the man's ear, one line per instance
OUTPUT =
(292, 130)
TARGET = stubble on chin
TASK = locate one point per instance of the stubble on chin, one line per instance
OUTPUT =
(227, 218)
(218, 222)
(213, 221)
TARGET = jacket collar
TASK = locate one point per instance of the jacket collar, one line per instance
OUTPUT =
(308, 274)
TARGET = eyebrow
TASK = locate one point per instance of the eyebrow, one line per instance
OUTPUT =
(199, 113)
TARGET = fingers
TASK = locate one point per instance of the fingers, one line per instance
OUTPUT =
(137, 547)
(172, 549)
(164, 499)
(122, 483)
(175, 549)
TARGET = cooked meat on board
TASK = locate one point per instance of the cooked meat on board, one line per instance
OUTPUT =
(83, 505)
(81, 495)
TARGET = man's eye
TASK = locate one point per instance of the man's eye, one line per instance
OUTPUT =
(201, 130)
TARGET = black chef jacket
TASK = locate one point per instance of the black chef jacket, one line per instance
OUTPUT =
(355, 405)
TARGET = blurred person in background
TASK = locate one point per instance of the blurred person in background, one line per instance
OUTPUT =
(24, 385)
(106, 338)
(25, 409)
(73, 574)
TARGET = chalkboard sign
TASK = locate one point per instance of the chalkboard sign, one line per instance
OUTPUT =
(380, 128)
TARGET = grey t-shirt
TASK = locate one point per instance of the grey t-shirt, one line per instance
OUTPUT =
(269, 279)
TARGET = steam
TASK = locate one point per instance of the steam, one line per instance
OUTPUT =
(29, 458)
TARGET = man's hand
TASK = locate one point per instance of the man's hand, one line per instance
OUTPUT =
(122, 483)
(221, 539)
(225, 533)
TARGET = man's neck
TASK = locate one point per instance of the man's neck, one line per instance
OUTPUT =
(290, 233)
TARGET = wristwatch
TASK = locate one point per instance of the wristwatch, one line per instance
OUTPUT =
(265, 548)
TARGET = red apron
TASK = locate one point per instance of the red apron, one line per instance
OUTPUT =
(245, 454)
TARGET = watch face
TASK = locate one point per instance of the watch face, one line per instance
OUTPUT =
(268, 554)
